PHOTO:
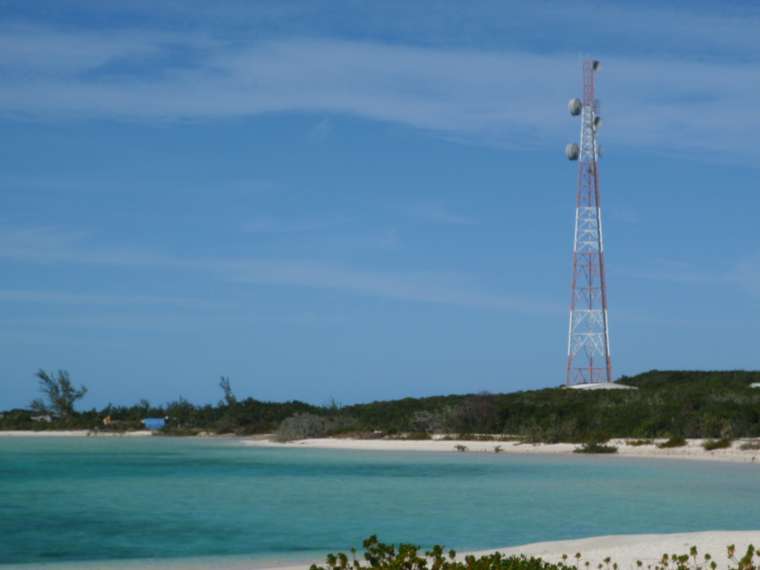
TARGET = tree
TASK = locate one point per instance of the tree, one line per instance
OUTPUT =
(59, 394)
(229, 397)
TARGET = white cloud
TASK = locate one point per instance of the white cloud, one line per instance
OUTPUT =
(678, 271)
(747, 274)
(439, 288)
(32, 50)
(438, 214)
(272, 225)
(495, 97)
(68, 298)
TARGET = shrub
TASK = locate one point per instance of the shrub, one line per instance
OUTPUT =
(639, 442)
(425, 421)
(301, 426)
(595, 447)
(417, 435)
(722, 443)
(179, 431)
(408, 557)
(750, 445)
(674, 441)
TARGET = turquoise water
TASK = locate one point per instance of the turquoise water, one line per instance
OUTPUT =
(80, 499)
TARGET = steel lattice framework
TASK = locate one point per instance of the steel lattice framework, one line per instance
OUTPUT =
(588, 345)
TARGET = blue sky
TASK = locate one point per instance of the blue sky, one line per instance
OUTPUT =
(359, 200)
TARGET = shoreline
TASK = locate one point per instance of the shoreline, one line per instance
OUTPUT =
(624, 549)
(693, 450)
(74, 433)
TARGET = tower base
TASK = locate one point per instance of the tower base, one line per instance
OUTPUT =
(601, 386)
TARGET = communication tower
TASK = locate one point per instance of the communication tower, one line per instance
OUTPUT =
(588, 343)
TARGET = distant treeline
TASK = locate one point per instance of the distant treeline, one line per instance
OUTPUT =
(667, 403)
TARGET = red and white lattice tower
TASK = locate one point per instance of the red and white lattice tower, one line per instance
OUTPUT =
(588, 343)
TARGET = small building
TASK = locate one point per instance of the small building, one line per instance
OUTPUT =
(45, 418)
(154, 423)
(755, 385)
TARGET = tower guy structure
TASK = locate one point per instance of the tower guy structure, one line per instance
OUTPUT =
(588, 343)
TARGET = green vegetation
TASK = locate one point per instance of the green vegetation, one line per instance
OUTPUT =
(409, 557)
(710, 405)
(673, 441)
(640, 442)
(722, 443)
(59, 394)
(310, 425)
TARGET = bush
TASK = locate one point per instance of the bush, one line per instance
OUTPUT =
(408, 557)
(639, 442)
(674, 441)
(301, 426)
(425, 421)
(722, 443)
(417, 435)
(750, 445)
(595, 447)
(692, 404)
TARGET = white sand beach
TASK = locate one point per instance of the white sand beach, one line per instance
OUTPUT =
(625, 550)
(693, 449)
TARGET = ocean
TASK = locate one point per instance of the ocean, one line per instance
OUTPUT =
(93, 502)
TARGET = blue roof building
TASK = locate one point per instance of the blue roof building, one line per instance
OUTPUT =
(154, 423)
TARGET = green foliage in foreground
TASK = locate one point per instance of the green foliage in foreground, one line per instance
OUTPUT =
(408, 557)
(675, 405)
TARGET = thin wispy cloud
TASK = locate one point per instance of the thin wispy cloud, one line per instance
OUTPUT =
(321, 131)
(747, 274)
(492, 96)
(272, 225)
(437, 288)
(682, 272)
(436, 213)
(92, 299)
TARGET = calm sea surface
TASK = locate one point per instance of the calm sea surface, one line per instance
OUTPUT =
(87, 499)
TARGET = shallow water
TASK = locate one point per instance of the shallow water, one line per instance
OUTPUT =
(87, 499)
